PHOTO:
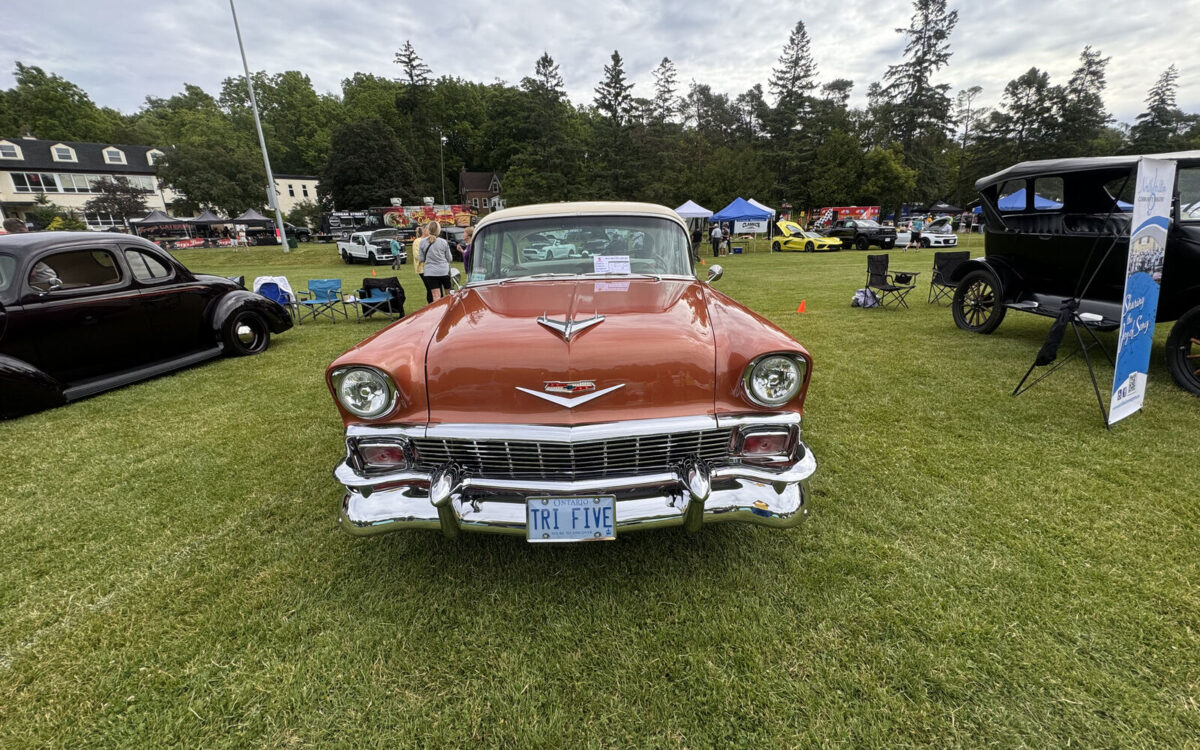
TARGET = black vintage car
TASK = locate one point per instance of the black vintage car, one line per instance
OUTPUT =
(1049, 228)
(84, 312)
(862, 233)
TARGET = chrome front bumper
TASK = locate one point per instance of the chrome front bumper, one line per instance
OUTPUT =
(693, 493)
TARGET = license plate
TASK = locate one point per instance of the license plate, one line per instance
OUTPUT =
(570, 519)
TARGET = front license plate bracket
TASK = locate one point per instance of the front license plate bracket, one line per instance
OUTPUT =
(574, 518)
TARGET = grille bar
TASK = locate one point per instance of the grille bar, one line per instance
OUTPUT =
(593, 459)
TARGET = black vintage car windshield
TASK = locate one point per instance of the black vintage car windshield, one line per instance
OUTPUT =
(579, 245)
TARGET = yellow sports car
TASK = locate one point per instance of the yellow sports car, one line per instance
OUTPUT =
(793, 237)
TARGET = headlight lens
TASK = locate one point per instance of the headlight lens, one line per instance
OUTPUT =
(774, 380)
(364, 392)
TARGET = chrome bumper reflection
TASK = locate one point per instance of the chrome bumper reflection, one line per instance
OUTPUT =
(690, 495)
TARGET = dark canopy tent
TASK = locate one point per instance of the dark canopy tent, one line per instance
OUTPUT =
(208, 218)
(740, 210)
(157, 218)
(252, 218)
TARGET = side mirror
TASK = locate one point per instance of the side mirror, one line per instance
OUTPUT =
(456, 279)
(715, 273)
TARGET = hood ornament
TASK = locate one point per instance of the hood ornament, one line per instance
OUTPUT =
(570, 403)
(569, 327)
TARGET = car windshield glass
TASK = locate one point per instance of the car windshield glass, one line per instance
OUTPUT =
(867, 222)
(8, 269)
(575, 245)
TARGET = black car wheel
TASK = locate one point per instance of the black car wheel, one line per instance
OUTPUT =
(245, 333)
(1183, 351)
(809, 247)
(924, 242)
(979, 302)
(371, 258)
(888, 244)
(776, 247)
(347, 259)
(862, 243)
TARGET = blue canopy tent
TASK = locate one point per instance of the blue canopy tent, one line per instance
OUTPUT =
(740, 210)
(1016, 202)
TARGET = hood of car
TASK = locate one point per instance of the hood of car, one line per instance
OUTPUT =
(572, 352)
(790, 228)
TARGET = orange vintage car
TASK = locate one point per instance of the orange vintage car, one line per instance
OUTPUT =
(581, 395)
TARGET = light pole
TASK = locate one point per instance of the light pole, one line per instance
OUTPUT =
(442, 154)
(272, 196)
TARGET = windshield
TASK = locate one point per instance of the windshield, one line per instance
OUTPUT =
(8, 273)
(867, 222)
(576, 245)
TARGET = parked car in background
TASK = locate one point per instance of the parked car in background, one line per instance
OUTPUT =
(268, 236)
(1049, 225)
(372, 247)
(85, 312)
(860, 234)
(569, 398)
(937, 233)
(792, 236)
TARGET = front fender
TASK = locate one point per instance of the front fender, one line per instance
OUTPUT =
(277, 318)
(1010, 280)
(24, 389)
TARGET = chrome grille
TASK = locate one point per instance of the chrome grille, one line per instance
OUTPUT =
(592, 459)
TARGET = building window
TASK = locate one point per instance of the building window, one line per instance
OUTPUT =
(153, 156)
(75, 183)
(9, 150)
(102, 221)
(62, 152)
(114, 156)
(291, 191)
(34, 182)
(304, 190)
(475, 203)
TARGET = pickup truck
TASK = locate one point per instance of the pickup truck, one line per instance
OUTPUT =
(371, 247)
(862, 233)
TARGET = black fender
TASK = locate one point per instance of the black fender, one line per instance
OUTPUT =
(1010, 281)
(25, 389)
(277, 318)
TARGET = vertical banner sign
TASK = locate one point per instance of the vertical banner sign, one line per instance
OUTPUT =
(1143, 275)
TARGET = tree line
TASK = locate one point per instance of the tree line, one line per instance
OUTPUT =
(796, 140)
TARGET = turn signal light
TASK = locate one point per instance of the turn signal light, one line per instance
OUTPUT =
(377, 456)
(765, 443)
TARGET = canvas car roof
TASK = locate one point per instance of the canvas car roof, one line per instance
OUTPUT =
(1082, 164)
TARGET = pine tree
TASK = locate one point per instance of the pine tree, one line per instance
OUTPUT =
(1026, 125)
(665, 104)
(793, 79)
(920, 105)
(613, 96)
(1083, 116)
(546, 78)
(1162, 120)
(416, 72)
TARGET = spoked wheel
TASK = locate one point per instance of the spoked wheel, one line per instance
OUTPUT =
(979, 302)
(776, 247)
(1183, 351)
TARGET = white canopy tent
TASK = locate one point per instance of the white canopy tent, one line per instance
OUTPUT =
(692, 210)
(756, 204)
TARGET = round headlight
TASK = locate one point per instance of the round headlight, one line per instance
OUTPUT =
(364, 392)
(774, 380)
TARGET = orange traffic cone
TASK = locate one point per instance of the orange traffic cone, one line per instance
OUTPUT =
(702, 262)
(800, 309)
(372, 271)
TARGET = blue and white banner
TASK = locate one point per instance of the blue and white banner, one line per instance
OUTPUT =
(1143, 275)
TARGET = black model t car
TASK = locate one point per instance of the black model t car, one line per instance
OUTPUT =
(84, 312)
(1049, 227)
(862, 233)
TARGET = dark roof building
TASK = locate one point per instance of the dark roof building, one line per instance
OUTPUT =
(480, 191)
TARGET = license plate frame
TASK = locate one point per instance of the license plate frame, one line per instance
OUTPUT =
(570, 518)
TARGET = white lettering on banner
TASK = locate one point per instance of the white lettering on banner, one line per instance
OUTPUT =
(750, 227)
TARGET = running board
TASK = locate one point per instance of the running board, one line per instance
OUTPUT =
(108, 382)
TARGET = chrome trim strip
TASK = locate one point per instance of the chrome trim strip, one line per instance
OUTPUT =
(570, 403)
(569, 327)
(788, 418)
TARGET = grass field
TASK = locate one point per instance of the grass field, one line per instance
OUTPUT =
(977, 570)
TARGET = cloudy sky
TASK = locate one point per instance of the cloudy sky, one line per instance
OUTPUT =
(119, 51)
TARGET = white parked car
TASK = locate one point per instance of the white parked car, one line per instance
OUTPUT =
(935, 234)
(371, 247)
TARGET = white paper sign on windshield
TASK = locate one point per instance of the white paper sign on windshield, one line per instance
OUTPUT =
(610, 264)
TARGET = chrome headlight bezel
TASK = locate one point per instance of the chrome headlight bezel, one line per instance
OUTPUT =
(797, 360)
(392, 393)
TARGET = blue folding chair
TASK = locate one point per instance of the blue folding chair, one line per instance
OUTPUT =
(323, 297)
(273, 292)
(381, 295)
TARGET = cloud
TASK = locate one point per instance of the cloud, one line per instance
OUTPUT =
(121, 51)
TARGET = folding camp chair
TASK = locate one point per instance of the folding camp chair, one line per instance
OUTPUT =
(940, 286)
(323, 297)
(891, 288)
(381, 295)
(273, 292)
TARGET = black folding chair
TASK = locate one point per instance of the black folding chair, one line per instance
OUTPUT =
(891, 288)
(944, 263)
(381, 294)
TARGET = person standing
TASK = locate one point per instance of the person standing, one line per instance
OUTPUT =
(468, 236)
(914, 234)
(725, 235)
(419, 262)
(396, 248)
(716, 239)
(435, 253)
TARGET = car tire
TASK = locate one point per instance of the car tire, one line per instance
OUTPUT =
(245, 333)
(924, 242)
(809, 247)
(1183, 351)
(979, 302)
(862, 243)
(888, 244)
(776, 247)
(371, 258)
(347, 259)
